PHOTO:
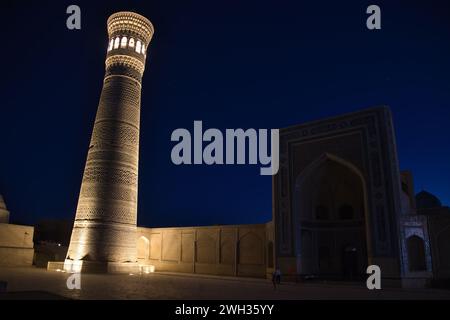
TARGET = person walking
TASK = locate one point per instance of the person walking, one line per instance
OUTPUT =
(274, 279)
(278, 276)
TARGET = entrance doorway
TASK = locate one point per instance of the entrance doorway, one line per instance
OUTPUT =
(329, 204)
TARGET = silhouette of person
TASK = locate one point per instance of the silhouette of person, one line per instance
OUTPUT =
(278, 276)
(274, 279)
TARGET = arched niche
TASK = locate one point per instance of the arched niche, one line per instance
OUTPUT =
(330, 210)
(143, 248)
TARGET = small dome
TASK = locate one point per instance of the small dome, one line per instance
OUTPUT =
(426, 200)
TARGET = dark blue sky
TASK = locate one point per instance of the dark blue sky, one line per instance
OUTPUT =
(249, 64)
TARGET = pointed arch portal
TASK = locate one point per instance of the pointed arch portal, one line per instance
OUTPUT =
(330, 209)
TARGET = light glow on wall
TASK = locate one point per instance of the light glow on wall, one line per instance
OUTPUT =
(73, 266)
(147, 269)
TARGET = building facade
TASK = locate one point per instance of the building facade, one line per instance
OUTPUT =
(219, 250)
(16, 241)
(342, 204)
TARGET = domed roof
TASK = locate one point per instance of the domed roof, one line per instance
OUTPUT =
(426, 200)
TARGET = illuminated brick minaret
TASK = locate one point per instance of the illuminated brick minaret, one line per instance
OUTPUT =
(104, 232)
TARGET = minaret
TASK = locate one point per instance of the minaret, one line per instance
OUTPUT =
(104, 233)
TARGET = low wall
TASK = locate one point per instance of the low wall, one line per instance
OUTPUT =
(219, 250)
(16, 245)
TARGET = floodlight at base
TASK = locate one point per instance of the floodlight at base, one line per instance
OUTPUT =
(147, 269)
(81, 266)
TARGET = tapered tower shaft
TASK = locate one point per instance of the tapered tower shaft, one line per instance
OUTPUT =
(105, 221)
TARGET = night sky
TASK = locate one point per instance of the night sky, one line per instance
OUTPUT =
(231, 64)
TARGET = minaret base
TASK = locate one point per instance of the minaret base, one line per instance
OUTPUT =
(80, 266)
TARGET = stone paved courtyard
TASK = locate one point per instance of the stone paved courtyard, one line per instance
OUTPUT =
(191, 287)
